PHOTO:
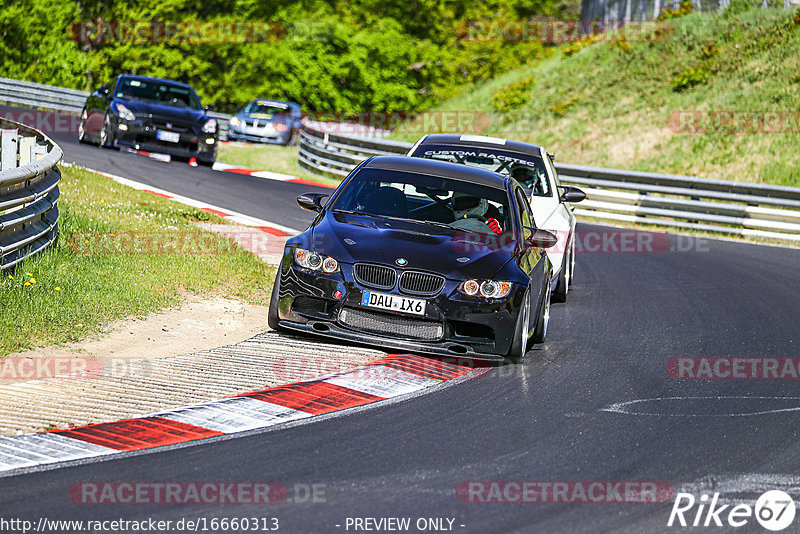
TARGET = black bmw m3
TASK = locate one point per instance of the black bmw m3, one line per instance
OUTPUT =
(421, 256)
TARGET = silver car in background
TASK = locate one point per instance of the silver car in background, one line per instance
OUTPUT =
(266, 121)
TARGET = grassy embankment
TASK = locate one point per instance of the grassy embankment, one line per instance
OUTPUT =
(614, 103)
(120, 253)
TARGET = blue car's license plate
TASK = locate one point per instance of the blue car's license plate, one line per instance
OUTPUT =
(396, 303)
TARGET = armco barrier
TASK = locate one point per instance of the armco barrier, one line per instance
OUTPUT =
(665, 200)
(29, 192)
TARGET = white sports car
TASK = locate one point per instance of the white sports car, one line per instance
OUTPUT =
(533, 168)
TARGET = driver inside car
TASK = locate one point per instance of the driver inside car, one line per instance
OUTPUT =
(472, 213)
(530, 177)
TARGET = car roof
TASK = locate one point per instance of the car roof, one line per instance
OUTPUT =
(480, 141)
(151, 79)
(442, 169)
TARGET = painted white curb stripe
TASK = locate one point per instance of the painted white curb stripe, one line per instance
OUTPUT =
(234, 415)
(381, 381)
(39, 449)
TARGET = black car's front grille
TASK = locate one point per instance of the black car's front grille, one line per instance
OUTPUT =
(173, 126)
(391, 325)
(419, 283)
(377, 276)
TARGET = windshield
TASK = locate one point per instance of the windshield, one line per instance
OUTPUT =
(158, 93)
(427, 199)
(266, 108)
(529, 170)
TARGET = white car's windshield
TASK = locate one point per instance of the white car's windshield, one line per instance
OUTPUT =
(528, 170)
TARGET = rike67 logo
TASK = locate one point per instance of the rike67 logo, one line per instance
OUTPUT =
(774, 510)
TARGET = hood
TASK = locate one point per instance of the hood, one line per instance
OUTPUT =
(454, 253)
(152, 110)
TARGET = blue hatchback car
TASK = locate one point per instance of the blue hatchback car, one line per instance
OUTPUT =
(266, 121)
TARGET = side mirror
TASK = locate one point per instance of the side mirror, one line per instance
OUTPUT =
(572, 194)
(552, 157)
(103, 90)
(210, 107)
(311, 201)
(541, 239)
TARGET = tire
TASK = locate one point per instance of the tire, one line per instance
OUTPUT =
(565, 276)
(273, 319)
(106, 135)
(572, 264)
(519, 347)
(542, 318)
(205, 163)
(82, 127)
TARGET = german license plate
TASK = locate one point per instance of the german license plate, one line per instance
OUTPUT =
(171, 137)
(382, 301)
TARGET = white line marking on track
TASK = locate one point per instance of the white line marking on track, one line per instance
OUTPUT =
(625, 407)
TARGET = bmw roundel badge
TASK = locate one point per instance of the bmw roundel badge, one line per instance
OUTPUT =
(402, 262)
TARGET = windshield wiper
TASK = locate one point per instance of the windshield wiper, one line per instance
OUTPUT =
(440, 224)
(355, 212)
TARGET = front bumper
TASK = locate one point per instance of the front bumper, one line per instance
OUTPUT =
(258, 135)
(468, 327)
(140, 135)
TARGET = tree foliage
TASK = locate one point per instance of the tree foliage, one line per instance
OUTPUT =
(340, 55)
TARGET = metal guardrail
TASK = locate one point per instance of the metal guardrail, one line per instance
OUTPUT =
(664, 200)
(29, 192)
(39, 95)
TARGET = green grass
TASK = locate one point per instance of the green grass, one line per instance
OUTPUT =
(80, 286)
(275, 158)
(609, 103)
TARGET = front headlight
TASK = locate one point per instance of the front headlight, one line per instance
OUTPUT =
(316, 262)
(490, 289)
(125, 113)
(234, 121)
(210, 126)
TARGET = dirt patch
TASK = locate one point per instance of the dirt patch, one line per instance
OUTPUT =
(197, 324)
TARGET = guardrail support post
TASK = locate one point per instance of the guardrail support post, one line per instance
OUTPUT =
(8, 149)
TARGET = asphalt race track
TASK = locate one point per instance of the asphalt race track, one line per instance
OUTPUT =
(547, 419)
(266, 199)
